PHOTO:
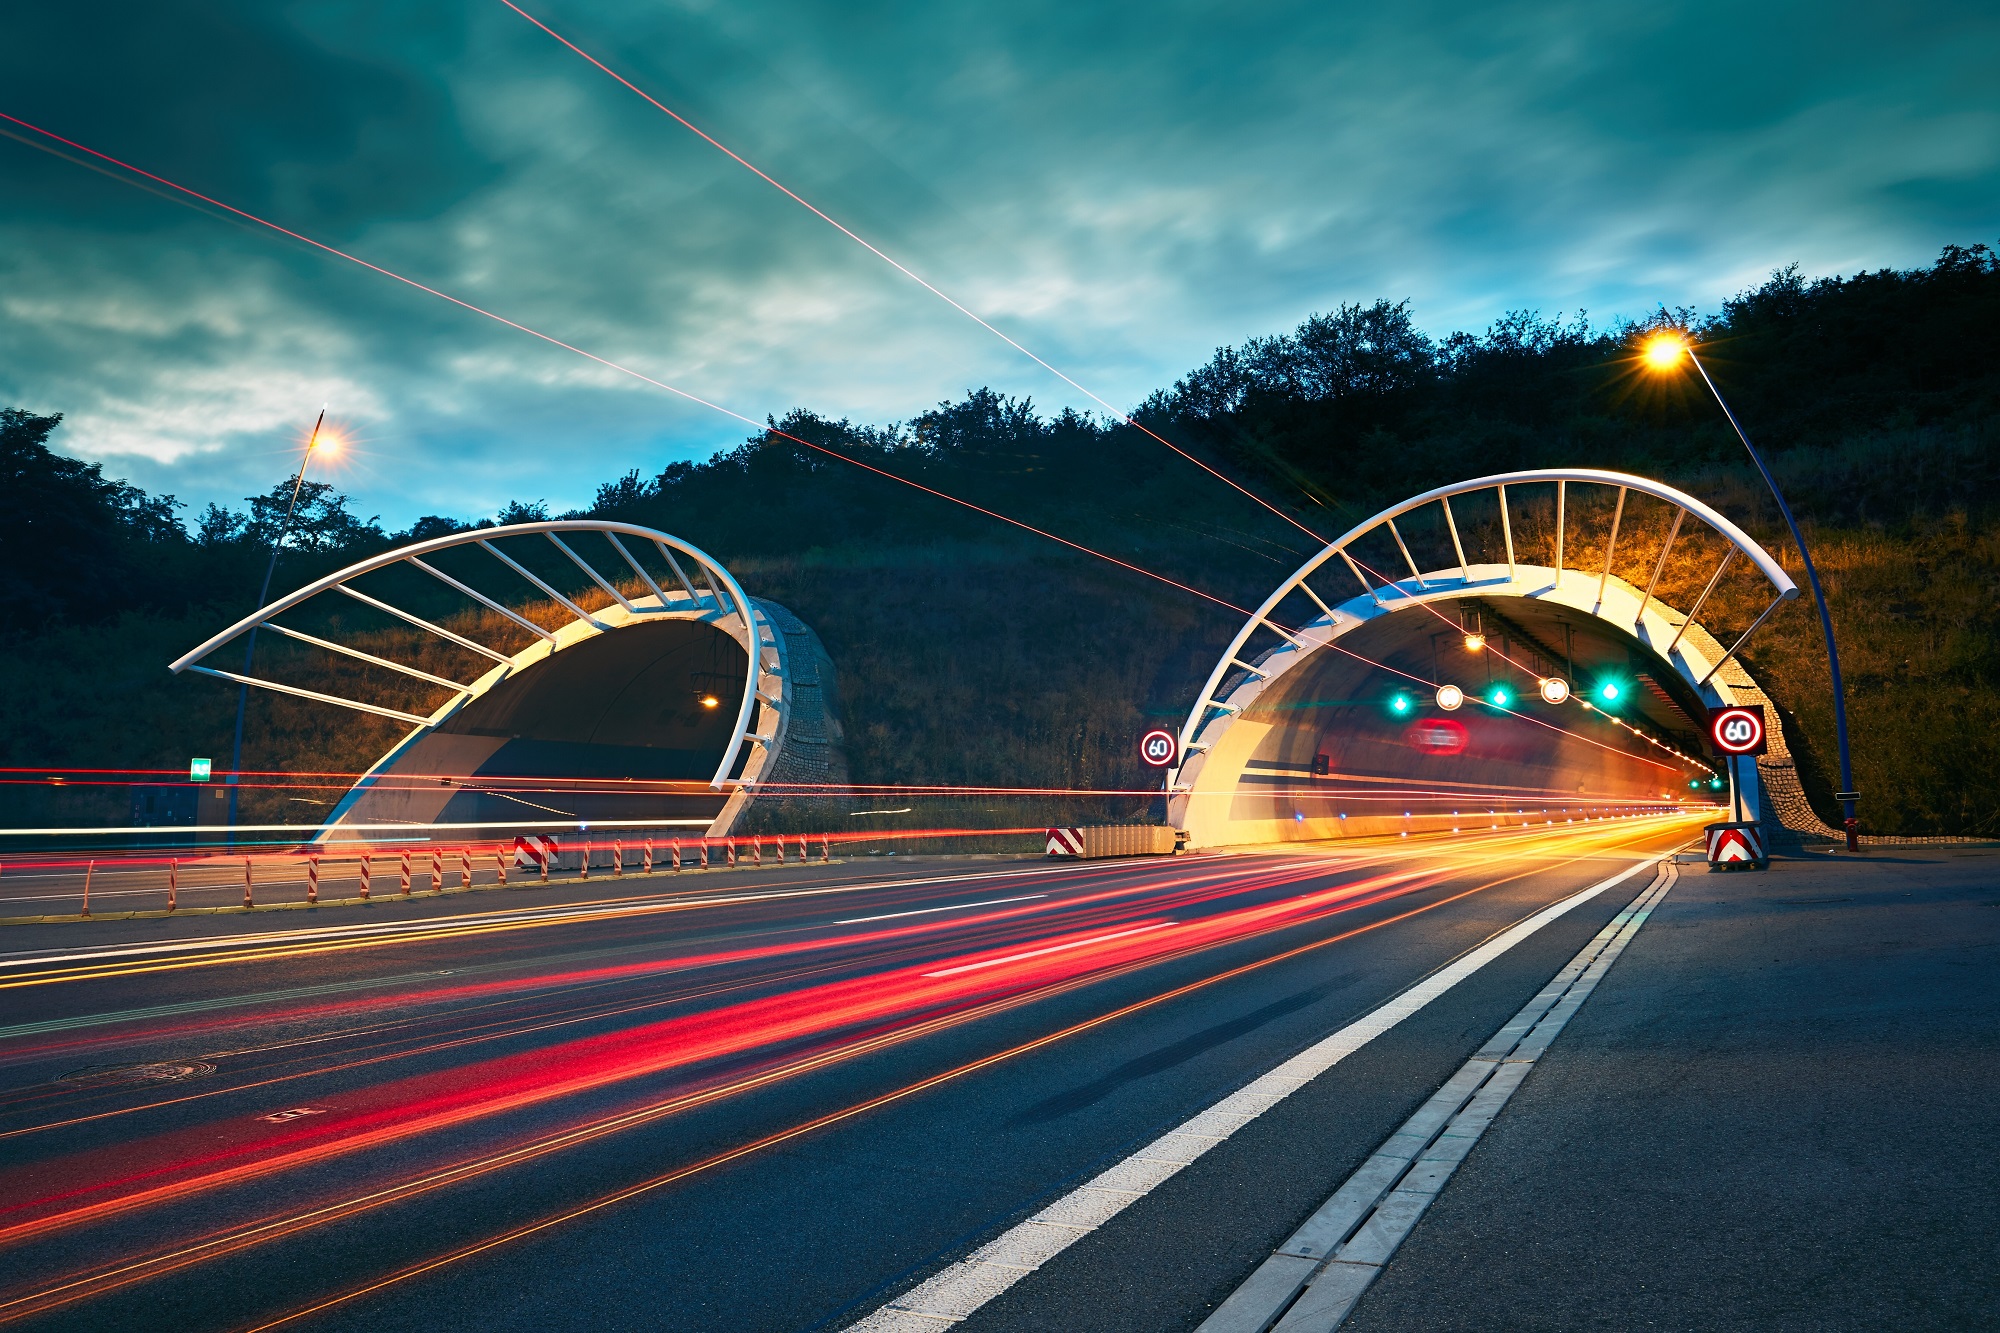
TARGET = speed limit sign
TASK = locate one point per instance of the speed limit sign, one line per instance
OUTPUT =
(1738, 730)
(1159, 748)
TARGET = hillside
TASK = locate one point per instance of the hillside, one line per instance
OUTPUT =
(974, 652)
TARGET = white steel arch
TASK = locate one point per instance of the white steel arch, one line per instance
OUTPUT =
(709, 594)
(1239, 678)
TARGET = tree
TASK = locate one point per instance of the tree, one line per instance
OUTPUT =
(67, 533)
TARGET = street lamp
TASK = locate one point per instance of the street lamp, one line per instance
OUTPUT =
(1663, 352)
(263, 593)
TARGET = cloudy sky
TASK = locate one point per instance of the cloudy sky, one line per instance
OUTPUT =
(1121, 186)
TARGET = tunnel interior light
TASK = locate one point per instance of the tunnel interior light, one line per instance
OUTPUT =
(1499, 696)
(1475, 643)
(1400, 704)
(710, 701)
(1554, 690)
(1450, 697)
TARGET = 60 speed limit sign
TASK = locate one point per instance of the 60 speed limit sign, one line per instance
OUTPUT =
(1738, 730)
(1159, 748)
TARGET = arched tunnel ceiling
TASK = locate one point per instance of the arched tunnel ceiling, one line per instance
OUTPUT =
(620, 707)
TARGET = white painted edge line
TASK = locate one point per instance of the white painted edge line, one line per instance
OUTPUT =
(961, 1288)
(948, 907)
(1312, 1282)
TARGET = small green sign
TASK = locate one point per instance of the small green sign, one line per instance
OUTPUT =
(198, 770)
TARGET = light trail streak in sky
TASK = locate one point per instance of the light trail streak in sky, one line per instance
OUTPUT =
(760, 426)
(785, 190)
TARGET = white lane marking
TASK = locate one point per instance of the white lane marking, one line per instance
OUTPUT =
(630, 906)
(1053, 948)
(1311, 1283)
(949, 907)
(976, 1279)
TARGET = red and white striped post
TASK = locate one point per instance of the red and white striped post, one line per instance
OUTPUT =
(756, 851)
(731, 845)
(617, 858)
(367, 872)
(674, 849)
(704, 853)
(406, 872)
(586, 858)
(312, 879)
(803, 854)
(437, 870)
(88, 868)
(465, 867)
(649, 855)
(781, 849)
(500, 868)
(547, 857)
(824, 855)
(173, 881)
(246, 883)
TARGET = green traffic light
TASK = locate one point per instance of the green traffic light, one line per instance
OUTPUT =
(1400, 704)
(1499, 696)
(1610, 691)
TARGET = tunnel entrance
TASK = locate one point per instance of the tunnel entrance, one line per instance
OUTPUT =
(1487, 693)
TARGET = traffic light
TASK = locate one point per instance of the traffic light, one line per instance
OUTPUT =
(1499, 695)
(1400, 704)
(1609, 693)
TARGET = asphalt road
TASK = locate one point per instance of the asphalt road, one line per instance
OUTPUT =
(1778, 1112)
(731, 1103)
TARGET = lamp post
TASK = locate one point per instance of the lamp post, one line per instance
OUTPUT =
(1664, 352)
(263, 593)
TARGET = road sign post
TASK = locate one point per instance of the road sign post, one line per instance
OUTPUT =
(1159, 748)
(1738, 731)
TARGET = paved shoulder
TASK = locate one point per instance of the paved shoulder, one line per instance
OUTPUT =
(1777, 1112)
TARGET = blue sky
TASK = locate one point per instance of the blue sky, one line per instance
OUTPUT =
(1123, 187)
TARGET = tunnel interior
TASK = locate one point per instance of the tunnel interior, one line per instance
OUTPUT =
(1340, 746)
(649, 703)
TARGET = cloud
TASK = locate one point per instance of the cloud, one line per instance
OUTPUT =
(1122, 187)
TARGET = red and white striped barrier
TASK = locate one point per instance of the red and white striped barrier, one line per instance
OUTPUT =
(365, 873)
(1065, 842)
(535, 852)
(1736, 845)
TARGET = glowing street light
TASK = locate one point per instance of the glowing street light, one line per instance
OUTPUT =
(1554, 690)
(1450, 697)
(1475, 643)
(1663, 352)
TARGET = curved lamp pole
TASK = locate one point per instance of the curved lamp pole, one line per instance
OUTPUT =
(1664, 353)
(263, 595)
